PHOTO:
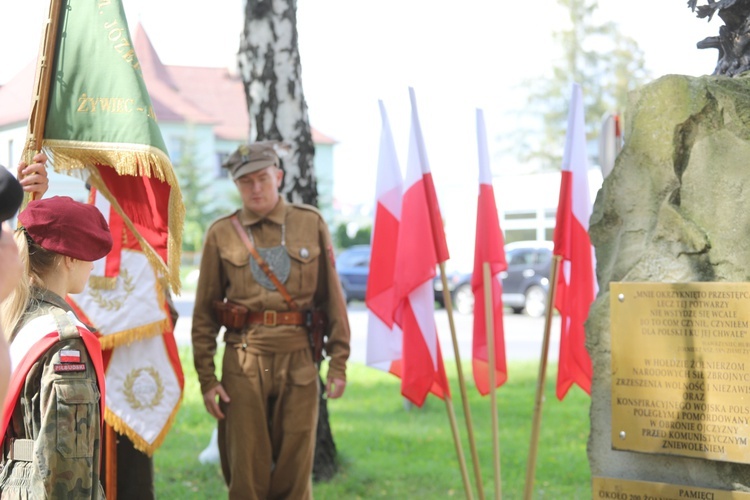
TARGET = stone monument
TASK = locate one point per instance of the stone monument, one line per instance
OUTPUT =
(673, 218)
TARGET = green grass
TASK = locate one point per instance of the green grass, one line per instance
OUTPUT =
(387, 451)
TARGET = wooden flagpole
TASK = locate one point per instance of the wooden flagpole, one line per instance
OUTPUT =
(490, 327)
(459, 449)
(110, 461)
(536, 422)
(462, 383)
(40, 98)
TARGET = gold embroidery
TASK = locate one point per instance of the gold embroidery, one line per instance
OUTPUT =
(115, 303)
(149, 391)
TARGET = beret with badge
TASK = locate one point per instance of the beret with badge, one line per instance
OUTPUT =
(255, 156)
(62, 225)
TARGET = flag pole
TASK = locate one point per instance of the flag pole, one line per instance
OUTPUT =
(462, 384)
(40, 100)
(536, 422)
(459, 449)
(110, 460)
(489, 321)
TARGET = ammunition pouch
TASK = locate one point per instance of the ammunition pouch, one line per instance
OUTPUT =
(232, 316)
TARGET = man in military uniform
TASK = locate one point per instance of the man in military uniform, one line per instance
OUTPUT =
(267, 400)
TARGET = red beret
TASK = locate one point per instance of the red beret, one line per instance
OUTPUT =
(62, 225)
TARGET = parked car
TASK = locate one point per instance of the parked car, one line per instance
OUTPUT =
(353, 266)
(525, 282)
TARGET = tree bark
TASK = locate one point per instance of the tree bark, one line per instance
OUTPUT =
(270, 66)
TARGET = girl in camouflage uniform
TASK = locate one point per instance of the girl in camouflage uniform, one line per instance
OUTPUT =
(51, 421)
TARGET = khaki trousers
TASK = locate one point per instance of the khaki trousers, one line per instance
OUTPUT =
(267, 438)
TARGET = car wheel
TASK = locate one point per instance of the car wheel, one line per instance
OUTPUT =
(517, 310)
(347, 299)
(536, 301)
(463, 299)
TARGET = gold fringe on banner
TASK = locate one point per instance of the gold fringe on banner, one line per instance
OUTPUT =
(135, 160)
(134, 334)
(139, 443)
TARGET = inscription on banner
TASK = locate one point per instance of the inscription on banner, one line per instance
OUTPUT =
(680, 369)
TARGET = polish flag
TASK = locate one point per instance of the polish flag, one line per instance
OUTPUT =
(423, 369)
(489, 248)
(576, 283)
(418, 156)
(384, 337)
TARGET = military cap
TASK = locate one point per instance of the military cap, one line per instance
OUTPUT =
(253, 157)
(62, 225)
(11, 194)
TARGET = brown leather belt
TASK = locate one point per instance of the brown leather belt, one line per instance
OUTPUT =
(273, 318)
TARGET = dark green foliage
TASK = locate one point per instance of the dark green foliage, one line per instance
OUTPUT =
(200, 201)
(343, 240)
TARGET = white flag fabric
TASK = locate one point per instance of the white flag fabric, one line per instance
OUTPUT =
(384, 337)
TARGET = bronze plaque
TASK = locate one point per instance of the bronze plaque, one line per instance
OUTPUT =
(681, 369)
(624, 489)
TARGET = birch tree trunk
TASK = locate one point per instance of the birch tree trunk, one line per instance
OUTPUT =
(270, 66)
(269, 62)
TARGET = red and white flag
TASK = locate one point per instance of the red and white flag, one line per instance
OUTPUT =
(384, 337)
(143, 371)
(418, 252)
(576, 282)
(489, 248)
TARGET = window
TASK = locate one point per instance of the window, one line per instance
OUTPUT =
(221, 172)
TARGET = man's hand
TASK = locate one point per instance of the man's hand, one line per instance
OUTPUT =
(209, 399)
(335, 388)
(33, 178)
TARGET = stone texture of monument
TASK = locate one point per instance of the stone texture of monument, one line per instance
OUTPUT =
(676, 208)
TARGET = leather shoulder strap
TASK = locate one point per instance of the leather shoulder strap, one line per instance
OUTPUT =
(262, 263)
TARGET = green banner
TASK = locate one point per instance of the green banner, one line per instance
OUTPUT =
(98, 94)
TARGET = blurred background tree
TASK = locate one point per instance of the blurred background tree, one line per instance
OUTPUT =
(201, 208)
(607, 65)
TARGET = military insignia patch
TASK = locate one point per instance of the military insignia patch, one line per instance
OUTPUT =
(70, 356)
(69, 367)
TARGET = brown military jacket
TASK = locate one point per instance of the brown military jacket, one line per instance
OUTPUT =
(60, 412)
(312, 283)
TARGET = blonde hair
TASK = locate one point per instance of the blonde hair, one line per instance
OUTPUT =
(37, 263)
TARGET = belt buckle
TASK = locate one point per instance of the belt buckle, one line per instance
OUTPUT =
(269, 318)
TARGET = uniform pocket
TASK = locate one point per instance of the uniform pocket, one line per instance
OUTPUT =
(303, 278)
(77, 417)
(302, 395)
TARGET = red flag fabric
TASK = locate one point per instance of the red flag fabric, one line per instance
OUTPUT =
(384, 337)
(422, 369)
(489, 248)
(418, 156)
(576, 281)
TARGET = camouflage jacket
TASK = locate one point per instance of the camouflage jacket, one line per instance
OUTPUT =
(59, 410)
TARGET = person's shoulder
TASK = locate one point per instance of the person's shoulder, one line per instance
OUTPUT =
(306, 210)
(221, 221)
